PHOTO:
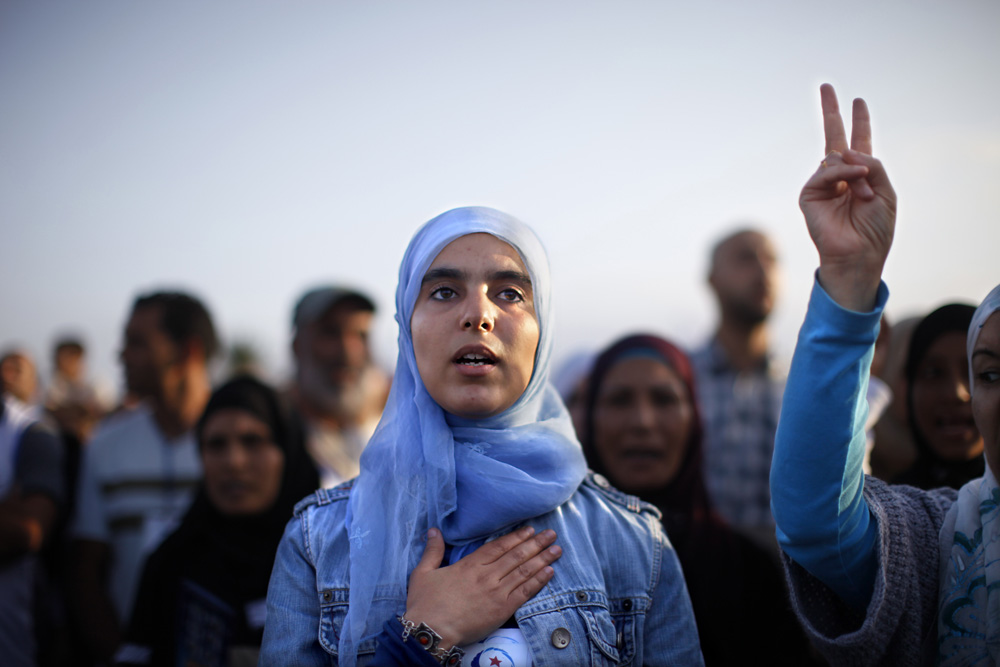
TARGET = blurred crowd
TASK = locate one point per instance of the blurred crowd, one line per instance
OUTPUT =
(143, 531)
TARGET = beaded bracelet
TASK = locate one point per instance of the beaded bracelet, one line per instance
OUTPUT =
(430, 641)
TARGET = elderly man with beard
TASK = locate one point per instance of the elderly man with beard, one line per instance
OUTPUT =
(738, 385)
(338, 391)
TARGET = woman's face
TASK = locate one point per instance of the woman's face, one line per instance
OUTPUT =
(986, 387)
(642, 422)
(242, 465)
(942, 408)
(474, 327)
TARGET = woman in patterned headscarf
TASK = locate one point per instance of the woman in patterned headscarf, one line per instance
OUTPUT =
(644, 434)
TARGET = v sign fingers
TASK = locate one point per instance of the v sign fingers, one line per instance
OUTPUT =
(861, 128)
(850, 208)
(833, 124)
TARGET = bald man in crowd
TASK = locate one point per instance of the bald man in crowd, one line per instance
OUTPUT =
(739, 388)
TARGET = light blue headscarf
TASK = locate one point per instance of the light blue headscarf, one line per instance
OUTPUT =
(423, 468)
(969, 590)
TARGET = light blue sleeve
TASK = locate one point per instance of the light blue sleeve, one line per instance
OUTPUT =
(823, 522)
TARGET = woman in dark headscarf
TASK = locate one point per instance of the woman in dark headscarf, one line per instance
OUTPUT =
(202, 596)
(938, 399)
(644, 434)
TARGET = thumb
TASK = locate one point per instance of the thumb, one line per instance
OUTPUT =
(433, 552)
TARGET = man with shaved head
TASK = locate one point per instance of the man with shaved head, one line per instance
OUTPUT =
(739, 388)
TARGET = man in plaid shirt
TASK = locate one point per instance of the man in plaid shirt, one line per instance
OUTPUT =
(739, 389)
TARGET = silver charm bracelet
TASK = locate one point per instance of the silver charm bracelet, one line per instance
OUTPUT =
(430, 641)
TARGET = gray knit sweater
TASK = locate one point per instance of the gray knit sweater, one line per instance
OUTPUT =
(899, 626)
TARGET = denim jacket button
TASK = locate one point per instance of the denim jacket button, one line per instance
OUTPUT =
(560, 637)
(327, 596)
(627, 605)
(602, 481)
(581, 596)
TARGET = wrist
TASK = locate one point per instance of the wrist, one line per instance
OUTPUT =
(429, 640)
(448, 637)
(851, 287)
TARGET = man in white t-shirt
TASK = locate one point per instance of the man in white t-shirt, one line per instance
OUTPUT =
(139, 473)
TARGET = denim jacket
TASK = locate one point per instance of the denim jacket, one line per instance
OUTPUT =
(617, 598)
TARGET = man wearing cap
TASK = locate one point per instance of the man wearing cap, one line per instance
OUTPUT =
(337, 389)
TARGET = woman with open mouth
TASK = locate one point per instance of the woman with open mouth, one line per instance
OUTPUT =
(644, 434)
(938, 402)
(474, 534)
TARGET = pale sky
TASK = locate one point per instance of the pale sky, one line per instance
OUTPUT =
(246, 151)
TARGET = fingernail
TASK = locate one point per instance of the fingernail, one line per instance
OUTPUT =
(555, 550)
(433, 532)
(528, 531)
(549, 533)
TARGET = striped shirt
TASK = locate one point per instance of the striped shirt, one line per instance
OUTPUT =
(134, 487)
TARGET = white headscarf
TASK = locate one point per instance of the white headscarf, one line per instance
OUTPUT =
(471, 478)
(969, 596)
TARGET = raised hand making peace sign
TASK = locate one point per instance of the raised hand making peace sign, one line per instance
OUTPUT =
(850, 208)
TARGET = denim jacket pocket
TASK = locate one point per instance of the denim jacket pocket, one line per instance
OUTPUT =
(579, 629)
(332, 612)
(627, 614)
(603, 636)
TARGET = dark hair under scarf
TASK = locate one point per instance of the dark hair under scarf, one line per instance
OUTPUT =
(299, 477)
(930, 471)
(228, 556)
(253, 540)
(684, 500)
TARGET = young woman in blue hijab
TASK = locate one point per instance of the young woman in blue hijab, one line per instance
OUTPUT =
(474, 527)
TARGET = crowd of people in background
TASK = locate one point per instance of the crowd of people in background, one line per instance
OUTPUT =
(91, 489)
(144, 532)
(95, 488)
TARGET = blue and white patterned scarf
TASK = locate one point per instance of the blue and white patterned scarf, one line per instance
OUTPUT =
(969, 594)
(473, 479)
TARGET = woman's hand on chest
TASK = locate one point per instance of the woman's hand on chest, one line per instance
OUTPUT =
(465, 601)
